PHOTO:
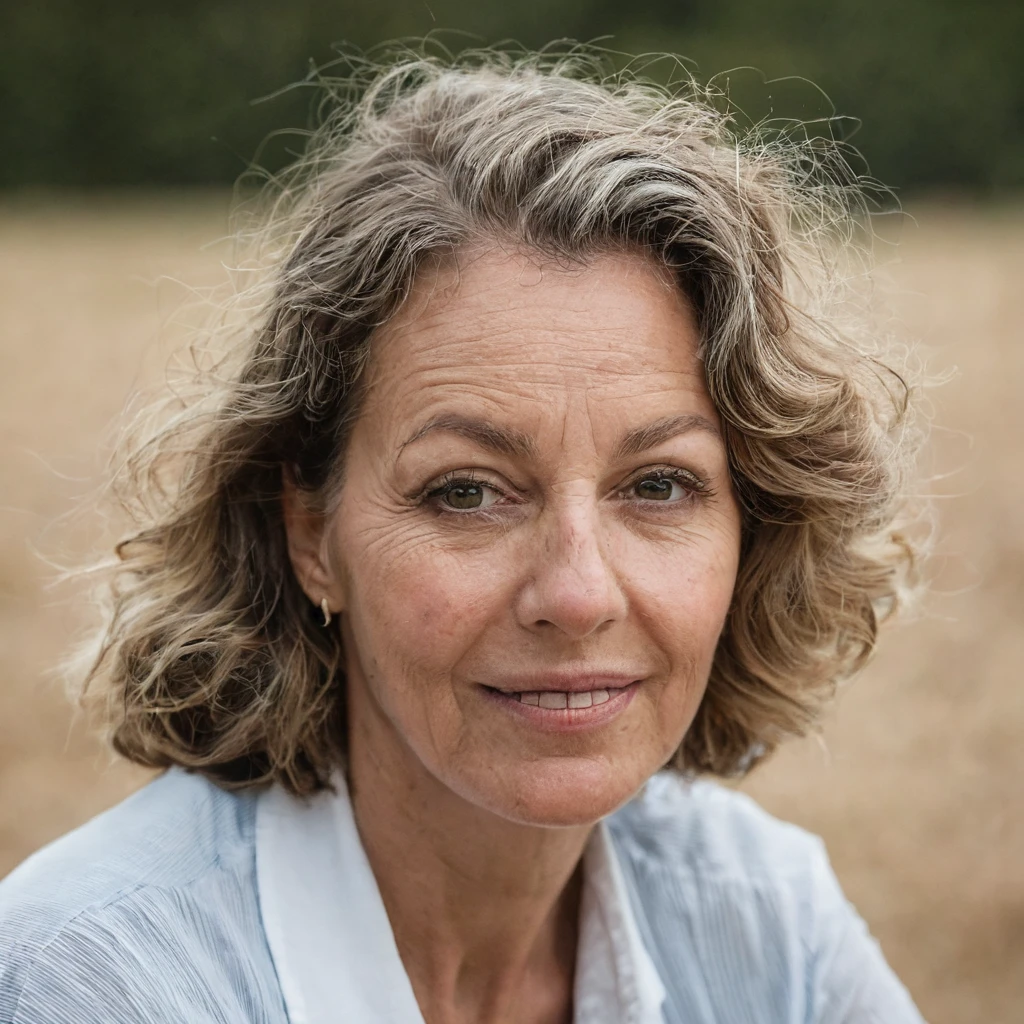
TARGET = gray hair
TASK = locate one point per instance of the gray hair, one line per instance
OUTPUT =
(210, 656)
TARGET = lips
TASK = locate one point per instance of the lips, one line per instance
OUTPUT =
(565, 704)
(565, 691)
(564, 682)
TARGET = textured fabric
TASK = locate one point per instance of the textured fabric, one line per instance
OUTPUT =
(150, 914)
(332, 943)
(616, 980)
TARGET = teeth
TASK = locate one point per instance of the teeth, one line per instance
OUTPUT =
(553, 700)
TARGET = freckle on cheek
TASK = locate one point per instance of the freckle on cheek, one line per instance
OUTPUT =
(436, 612)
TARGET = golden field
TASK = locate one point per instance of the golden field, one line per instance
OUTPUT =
(918, 788)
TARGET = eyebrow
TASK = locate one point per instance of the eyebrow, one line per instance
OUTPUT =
(515, 444)
(643, 438)
(503, 440)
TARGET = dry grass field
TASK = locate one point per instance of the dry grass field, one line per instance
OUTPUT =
(918, 788)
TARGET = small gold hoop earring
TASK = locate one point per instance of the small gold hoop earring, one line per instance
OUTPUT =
(326, 611)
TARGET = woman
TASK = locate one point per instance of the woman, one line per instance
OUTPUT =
(546, 483)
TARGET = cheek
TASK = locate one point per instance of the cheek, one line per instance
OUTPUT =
(681, 593)
(686, 585)
(415, 607)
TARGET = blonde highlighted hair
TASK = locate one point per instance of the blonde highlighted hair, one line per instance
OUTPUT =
(211, 656)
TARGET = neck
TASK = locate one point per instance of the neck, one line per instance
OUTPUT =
(484, 910)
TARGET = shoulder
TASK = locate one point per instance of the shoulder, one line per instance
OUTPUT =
(163, 877)
(743, 913)
(710, 868)
(166, 836)
(703, 830)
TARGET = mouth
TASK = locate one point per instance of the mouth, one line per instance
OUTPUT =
(566, 710)
(561, 700)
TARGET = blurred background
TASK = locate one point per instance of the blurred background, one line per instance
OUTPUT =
(125, 126)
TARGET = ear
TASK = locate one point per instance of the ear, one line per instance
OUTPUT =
(306, 529)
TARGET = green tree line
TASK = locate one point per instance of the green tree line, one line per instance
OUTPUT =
(104, 93)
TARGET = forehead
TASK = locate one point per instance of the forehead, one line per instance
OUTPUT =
(507, 328)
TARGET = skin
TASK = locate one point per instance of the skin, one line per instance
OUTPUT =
(579, 559)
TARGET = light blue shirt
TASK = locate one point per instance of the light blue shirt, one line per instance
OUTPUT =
(152, 914)
(334, 949)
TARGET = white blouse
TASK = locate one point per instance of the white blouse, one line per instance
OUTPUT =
(332, 943)
(186, 904)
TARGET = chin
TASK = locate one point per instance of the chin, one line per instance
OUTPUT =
(567, 791)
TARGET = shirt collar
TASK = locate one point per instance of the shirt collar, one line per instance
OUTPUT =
(616, 980)
(332, 944)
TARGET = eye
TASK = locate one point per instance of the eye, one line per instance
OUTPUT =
(464, 495)
(664, 485)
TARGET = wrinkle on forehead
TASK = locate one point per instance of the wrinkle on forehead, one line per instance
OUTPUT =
(494, 294)
(508, 333)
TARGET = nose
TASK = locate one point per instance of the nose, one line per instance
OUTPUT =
(573, 588)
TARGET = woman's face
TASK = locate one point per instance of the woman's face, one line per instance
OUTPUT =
(536, 539)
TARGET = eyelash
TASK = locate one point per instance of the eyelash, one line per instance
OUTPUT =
(451, 482)
(697, 489)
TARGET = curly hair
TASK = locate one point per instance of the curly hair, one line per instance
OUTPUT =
(209, 655)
